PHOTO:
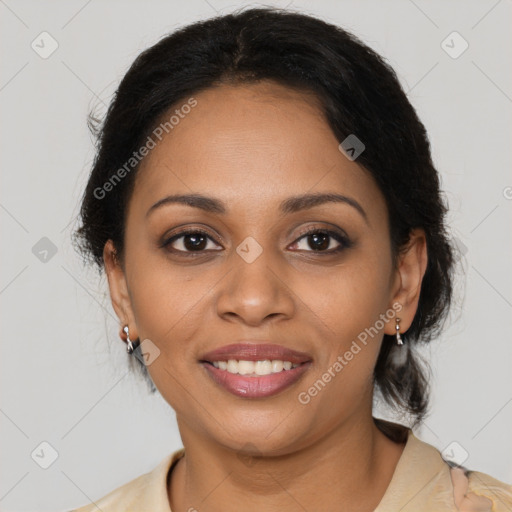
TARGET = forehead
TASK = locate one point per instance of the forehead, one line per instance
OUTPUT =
(251, 145)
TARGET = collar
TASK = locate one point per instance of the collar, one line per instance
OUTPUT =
(421, 472)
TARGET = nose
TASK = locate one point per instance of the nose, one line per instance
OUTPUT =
(253, 292)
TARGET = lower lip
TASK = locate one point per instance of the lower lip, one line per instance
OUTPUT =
(256, 387)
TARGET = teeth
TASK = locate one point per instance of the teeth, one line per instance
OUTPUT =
(263, 367)
(244, 367)
(254, 368)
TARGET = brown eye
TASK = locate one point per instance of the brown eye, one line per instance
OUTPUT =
(191, 240)
(323, 240)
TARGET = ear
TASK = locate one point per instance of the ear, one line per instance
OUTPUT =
(119, 294)
(411, 267)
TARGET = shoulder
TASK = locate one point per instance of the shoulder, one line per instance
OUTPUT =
(424, 481)
(474, 490)
(146, 492)
(460, 487)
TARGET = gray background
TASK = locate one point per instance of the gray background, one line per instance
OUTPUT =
(64, 375)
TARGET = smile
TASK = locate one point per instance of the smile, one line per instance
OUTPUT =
(255, 379)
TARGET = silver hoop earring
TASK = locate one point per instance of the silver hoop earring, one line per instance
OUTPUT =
(397, 328)
(130, 347)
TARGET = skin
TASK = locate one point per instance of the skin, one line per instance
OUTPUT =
(252, 146)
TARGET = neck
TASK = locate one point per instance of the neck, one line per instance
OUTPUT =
(350, 468)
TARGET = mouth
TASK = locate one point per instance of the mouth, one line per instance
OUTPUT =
(255, 370)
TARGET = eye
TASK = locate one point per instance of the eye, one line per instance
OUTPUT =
(194, 240)
(321, 240)
(189, 241)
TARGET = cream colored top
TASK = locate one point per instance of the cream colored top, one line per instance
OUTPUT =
(422, 482)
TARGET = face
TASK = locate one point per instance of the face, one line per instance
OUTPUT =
(253, 274)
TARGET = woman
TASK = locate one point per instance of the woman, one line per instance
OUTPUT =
(265, 207)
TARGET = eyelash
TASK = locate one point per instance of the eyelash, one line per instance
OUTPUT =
(343, 240)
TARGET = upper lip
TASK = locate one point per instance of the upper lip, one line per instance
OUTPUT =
(250, 351)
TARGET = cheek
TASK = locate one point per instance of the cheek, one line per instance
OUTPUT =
(168, 305)
(167, 302)
(350, 303)
(163, 294)
(348, 298)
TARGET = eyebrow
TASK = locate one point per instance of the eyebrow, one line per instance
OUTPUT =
(289, 205)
